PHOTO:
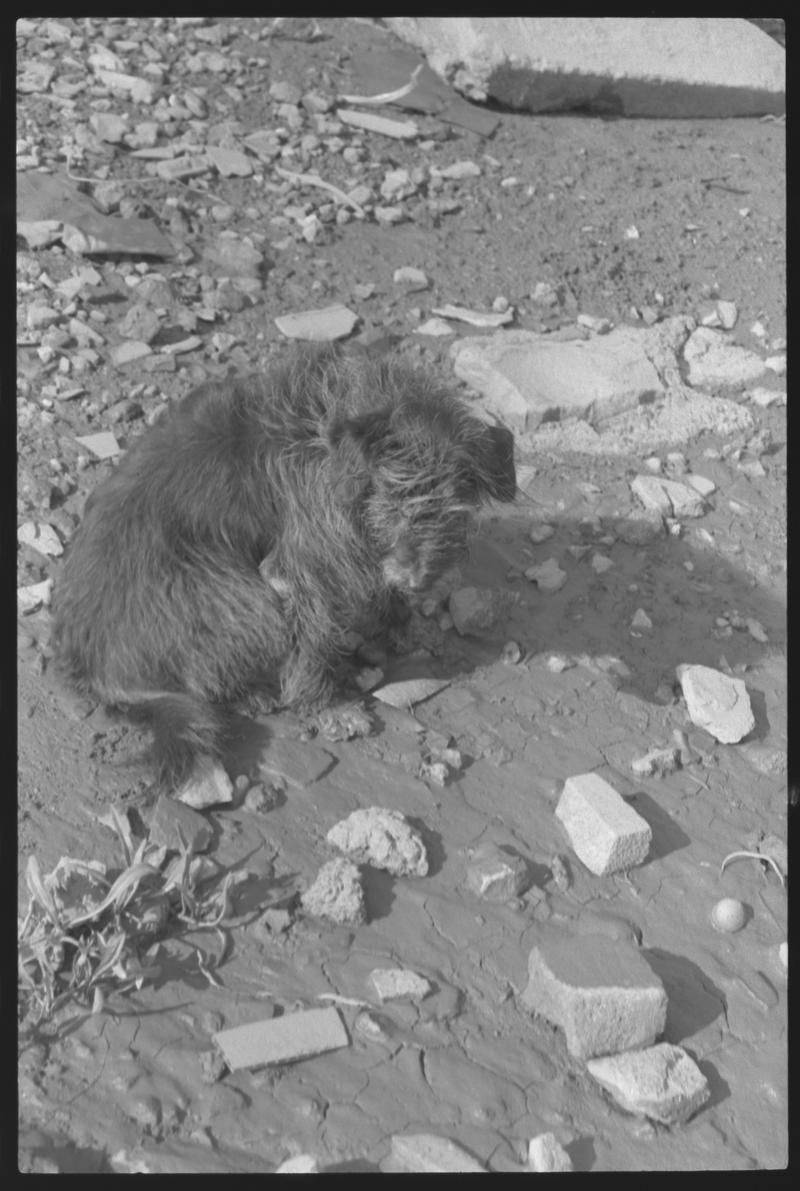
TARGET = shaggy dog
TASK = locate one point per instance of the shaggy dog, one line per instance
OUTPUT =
(254, 526)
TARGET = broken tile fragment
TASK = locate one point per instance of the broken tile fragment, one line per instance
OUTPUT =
(410, 691)
(477, 318)
(282, 1039)
(104, 445)
(599, 990)
(716, 702)
(662, 1082)
(606, 833)
(398, 129)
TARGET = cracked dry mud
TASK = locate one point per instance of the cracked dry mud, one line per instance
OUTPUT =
(132, 1087)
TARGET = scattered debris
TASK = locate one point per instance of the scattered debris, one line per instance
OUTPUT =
(657, 761)
(404, 130)
(475, 610)
(477, 318)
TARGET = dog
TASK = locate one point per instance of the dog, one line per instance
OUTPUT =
(254, 526)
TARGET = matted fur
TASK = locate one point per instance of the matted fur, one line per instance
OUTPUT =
(343, 478)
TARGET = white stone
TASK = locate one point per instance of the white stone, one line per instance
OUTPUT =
(391, 983)
(324, 325)
(410, 277)
(701, 484)
(207, 785)
(715, 362)
(424, 1153)
(728, 314)
(459, 169)
(668, 497)
(434, 326)
(658, 761)
(601, 563)
(641, 621)
(41, 536)
(547, 576)
(776, 364)
(666, 67)
(103, 444)
(410, 691)
(541, 533)
(29, 598)
(398, 129)
(662, 1082)
(716, 702)
(547, 1156)
(300, 1164)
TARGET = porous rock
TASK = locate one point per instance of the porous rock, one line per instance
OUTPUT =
(383, 839)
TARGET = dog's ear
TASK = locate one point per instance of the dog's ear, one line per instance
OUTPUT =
(497, 478)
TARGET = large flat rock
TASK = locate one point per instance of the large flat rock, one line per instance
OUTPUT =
(526, 378)
(642, 66)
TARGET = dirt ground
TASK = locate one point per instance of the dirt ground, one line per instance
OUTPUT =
(127, 1088)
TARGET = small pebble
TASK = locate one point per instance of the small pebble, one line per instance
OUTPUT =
(511, 653)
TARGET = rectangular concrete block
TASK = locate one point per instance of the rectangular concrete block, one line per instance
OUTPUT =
(662, 1082)
(424, 1153)
(606, 834)
(600, 991)
(282, 1039)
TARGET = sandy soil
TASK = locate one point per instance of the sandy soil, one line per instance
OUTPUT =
(126, 1088)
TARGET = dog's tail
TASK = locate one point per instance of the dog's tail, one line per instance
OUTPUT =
(185, 727)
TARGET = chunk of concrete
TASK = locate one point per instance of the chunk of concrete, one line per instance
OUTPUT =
(662, 1082)
(667, 67)
(424, 1153)
(600, 991)
(282, 1039)
(606, 834)
(383, 839)
(716, 702)
(527, 379)
(496, 874)
(547, 1156)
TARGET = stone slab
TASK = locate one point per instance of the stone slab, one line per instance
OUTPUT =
(662, 1082)
(667, 67)
(282, 1039)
